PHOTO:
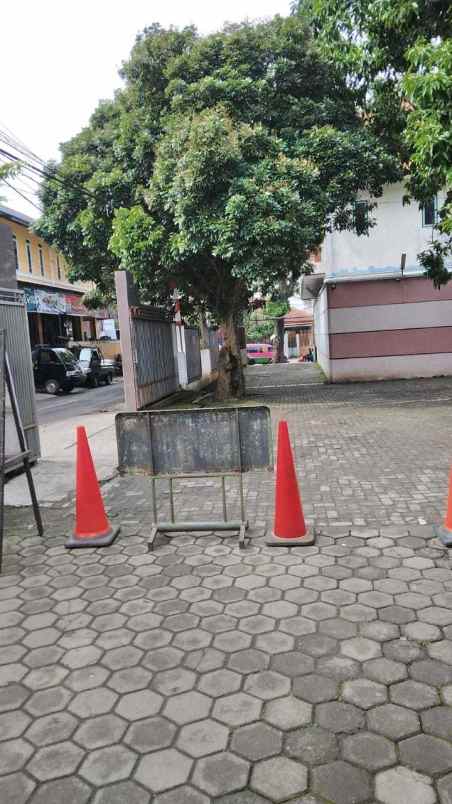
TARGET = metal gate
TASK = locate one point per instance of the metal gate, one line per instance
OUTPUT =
(13, 319)
(193, 352)
(149, 367)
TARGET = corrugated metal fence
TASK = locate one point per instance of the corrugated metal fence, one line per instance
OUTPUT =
(213, 348)
(193, 353)
(13, 319)
(149, 366)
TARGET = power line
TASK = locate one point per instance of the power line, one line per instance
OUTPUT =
(28, 200)
(50, 176)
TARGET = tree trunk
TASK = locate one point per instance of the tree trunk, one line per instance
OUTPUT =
(231, 380)
(278, 344)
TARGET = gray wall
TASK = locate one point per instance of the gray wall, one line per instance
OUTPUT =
(7, 259)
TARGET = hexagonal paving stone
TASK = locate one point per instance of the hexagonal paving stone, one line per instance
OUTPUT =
(339, 717)
(185, 794)
(248, 661)
(313, 745)
(426, 754)
(341, 783)
(56, 760)
(16, 788)
(187, 707)
(71, 789)
(221, 773)
(219, 682)
(53, 728)
(237, 709)
(136, 705)
(315, 688)
(279, 778)
(267, 685)
(364, 693)
(130, 679)
(171, 682)
(431, 672)
(445, 789)
(46, 701)
(93, 702)
(108, 765)
(287, 713)
(339, 667)
(272, 643)
(100, 731)
(120, 793)
(414, 695)
(360, 648)
(371, 751)
(13, 755)
(13, 724)
(402, 784)
(202, 738)
(163, 770)
(393, 721)
(438, 721)
(385, 670)
(257, 741)
(293, 663)
(150, 734)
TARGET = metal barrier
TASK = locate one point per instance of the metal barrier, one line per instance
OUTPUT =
(193, 353)
(148, 362)
(13, 319)
(182, 444)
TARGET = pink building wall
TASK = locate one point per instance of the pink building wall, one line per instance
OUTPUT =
(387, 329)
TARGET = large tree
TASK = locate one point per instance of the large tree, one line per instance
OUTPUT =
(217, 169)
(398, 58)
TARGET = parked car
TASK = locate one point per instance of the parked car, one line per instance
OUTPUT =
(55, 369)
(95, 369)
(115, 363)
(259, 352)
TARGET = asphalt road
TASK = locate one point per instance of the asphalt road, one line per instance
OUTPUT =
(80, 402)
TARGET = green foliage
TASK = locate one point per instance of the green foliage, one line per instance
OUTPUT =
(398, 57)
(218, 168)
(8, 171)
(260, 323)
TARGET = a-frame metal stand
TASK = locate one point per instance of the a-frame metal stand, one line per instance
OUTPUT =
(7, 382)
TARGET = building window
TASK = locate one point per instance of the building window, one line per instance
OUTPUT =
(58, 267)
(361, 216)
(429, 212)
(16, 253)
(29, 260)
(41, 259)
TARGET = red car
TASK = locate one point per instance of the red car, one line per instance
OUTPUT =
(259, 352)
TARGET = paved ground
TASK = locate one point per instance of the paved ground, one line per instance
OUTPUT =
(81, 402)
(59, 417)
(199, 673)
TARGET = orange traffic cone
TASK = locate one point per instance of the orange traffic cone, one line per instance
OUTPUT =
(290, 528)
(444, 531)
(92, 528)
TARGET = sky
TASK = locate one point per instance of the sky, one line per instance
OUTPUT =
(59, 58)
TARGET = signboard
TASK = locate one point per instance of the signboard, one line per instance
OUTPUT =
(201, 441)
(109, 329)
(74, 304)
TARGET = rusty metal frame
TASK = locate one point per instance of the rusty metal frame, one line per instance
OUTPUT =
(241, 525)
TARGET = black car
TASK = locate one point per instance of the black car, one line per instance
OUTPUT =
(55, 369)
(94, 368)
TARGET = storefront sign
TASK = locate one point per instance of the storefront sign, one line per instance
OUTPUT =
(30, 299)
(74, 305)
(48, 302)
(109, 329)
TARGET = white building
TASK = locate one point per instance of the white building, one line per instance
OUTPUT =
(376, 316)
